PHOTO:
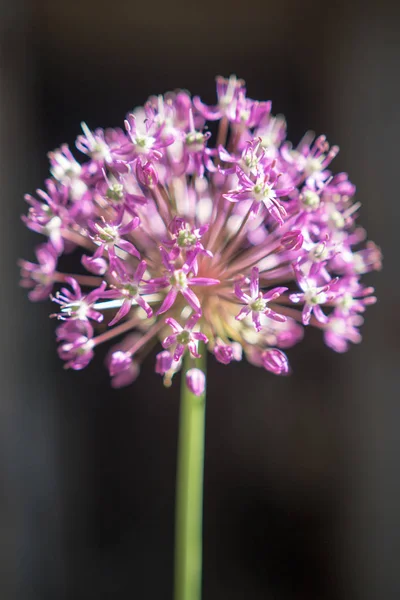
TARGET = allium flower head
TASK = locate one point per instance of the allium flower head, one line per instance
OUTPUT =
(234, 245)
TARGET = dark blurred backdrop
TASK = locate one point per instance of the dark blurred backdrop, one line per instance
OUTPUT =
(302, 478)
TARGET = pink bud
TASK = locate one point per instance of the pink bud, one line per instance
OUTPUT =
(176, 225)
(275, 361)
(196, 381)
(292, 240)
(127, 376)
(94, 265)
(163, 362)
(223, 354)
(146, 174)
(120, 361)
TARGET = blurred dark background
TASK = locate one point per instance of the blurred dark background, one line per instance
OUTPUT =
(302, 478)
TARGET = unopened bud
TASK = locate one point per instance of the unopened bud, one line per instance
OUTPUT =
(196, 381)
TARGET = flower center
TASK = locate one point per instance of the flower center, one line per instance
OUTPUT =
(336, 219)
(115, 192)
(131, 290)
(258, 305)
(186, 238)
(53, 225)
(183, 337)
(263, 191)
(310, 200)
(77, 309)
(178, 279)
(195, 139)
(312, 297)
(319, 253)
(338, 326)
(143, 143)
(313, 165)
(346, 302)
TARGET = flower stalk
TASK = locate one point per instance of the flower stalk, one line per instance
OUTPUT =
(189, 486)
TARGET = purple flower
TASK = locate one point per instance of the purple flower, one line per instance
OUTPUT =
(184, 337)
(342, 329)
(76, 344)
(312, 296)
(260, 191)
(120, 190)
(40, 276)
(49, 214)
(75, 305)
(64, 167)
(179, 281)
(178, 229)
(128, 289)
(256, 302)
(111, 234)
(144, 141)
(310, 159)
(228, 91)
(249, 162)
(185, 241)
(94, 144)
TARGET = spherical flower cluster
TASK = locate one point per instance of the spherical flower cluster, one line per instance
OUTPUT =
(235, 246)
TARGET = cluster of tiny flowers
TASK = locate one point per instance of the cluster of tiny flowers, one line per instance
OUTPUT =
(234, 246)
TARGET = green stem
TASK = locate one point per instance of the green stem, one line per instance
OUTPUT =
(189, 489)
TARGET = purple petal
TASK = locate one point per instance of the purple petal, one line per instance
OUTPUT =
(128, 247)
(238, 292)
(203, 281)
(200, 337)
(191, 322)
(306, 314)
(193, 349)
(146, 307)
(319, 315)
(296, 298)
(168, 341)
(179, 350)
(225, 156)
(129, 226)
(141, 268)
(98, 266)
(254, 282)
(123, 311)
(283, 191)
(168, 301)
(192, 299)
(174, 325)
(256, 320)
(243, 313)
(275, 316)
(95, 315)
(274, 293)
(165, 258)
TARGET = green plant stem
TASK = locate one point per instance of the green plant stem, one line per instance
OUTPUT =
(189, 489)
